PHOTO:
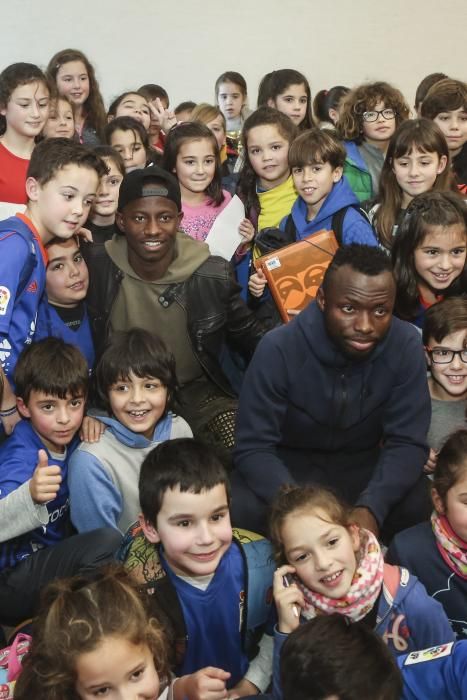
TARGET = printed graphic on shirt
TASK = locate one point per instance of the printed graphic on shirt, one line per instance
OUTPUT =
(397, 632)
(5, 296)
(418, 657)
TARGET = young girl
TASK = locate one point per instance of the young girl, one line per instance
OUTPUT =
(326, 106)
(332, 565)
(101, 221)
(429, 254)
(265, 184)
(129, 138)
(288, 91)
(192, 154)
(61, 120)
(417, 161)
(94, 638)
(232, 99)
(75, 79)
(131, 104)
(24, 108)
(368, 118)
(436, 551)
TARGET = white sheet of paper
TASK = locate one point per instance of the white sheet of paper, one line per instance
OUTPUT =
(223, 239)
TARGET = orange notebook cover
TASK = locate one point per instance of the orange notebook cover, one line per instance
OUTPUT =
(294, 273)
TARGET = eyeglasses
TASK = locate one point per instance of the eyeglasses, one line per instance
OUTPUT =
(374, 114)
(443, 356)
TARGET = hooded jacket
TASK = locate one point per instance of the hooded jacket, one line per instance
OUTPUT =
(355, 227)
(207, 293)
(308, 412)
(103, 476)
(407, 621)
(357, 173)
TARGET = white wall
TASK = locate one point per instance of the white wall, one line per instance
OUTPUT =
(185, 44)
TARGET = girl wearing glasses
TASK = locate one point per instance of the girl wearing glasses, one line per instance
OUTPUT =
(368, 117)
(429, 254)
(436, 551)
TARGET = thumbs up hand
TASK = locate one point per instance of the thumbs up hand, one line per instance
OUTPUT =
(46, 480)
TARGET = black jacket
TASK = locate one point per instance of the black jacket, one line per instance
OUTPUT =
(210, 298)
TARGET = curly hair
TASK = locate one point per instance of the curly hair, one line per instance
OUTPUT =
(364, 98)
(94, 109)
(76, 616)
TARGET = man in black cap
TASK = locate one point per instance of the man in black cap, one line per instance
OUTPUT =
(158, 278)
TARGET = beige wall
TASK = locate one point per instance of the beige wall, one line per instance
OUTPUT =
(185, 44)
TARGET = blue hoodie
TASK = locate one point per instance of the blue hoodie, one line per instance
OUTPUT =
(409, 621)
(103, 476)
(18, 460)
(355, 227)
(306, 410)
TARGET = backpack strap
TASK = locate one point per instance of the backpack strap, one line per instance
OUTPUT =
(290, 230)
(393, 577)
(15, 225)
(339, 216)
(141, 558)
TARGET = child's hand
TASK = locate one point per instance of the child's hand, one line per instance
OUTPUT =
(165, 118)
(91, 429)
(257, 283)
(45, 482)
(206, 684)
(9, 422)
(242, 689)
(430, 465)
(247, 232)
(85, 234)
(288, 599)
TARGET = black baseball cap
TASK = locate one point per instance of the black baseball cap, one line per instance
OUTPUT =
(141, 183)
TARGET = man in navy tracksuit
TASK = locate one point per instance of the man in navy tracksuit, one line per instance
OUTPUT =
(339, 397)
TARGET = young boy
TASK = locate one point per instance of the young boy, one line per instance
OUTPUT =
(101, 221)
(445, 341)
(51, 379)
(62, 312)
(61, 184)
(446, 104)
(211, 590)
(325, 199)
(136, 383)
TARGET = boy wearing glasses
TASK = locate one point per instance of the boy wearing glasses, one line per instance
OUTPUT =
(445, 341)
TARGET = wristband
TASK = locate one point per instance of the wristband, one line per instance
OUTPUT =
(8, 412)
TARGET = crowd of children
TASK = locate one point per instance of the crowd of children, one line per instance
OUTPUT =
(123, 345)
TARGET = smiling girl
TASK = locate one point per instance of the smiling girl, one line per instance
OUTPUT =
(288, 91)
(24, 108)
(429, 254)
(330, 565)
(75, 78)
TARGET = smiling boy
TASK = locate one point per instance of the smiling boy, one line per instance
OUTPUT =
(61, 184)
(157, 278)
(446, 104)
(209, 588)
(445, 341)
(52, 380)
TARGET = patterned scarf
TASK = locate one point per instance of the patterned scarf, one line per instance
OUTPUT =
(451, 547)
(364, 589)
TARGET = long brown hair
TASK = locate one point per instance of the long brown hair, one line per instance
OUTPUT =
(94, 109)
(425, 136)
